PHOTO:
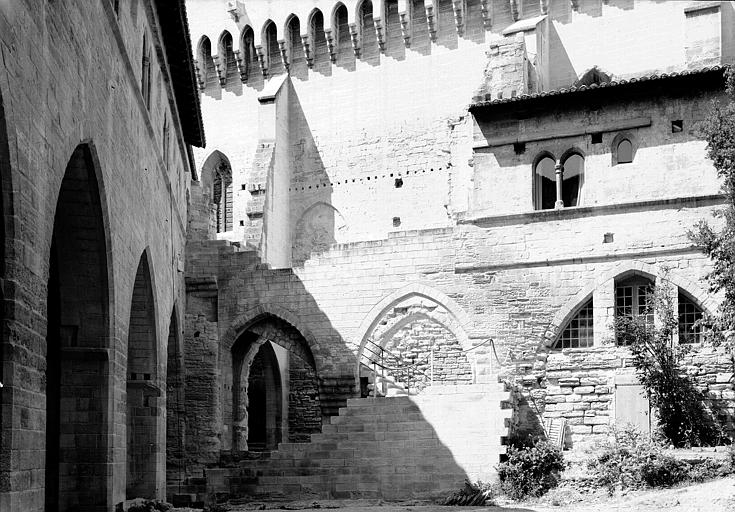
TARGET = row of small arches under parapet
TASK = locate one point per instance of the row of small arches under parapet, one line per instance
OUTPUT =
(362, 32)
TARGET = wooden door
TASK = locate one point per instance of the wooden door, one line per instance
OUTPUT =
(632, 405)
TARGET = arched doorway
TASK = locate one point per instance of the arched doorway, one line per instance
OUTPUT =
(275, 392)
(175, 413)
(77, 371)
(142, 389)
(264, 400)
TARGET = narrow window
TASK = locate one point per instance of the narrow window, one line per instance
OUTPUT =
(690, 316)
(248, 52)
(579, 332)
(295, 49)
(145, 81)
(545, 184)
(273, 53)
(633, 306)
(625, 152)
(223, 197)
(571, 188)
(227, 59)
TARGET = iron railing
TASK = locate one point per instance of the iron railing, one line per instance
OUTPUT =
(402, 368)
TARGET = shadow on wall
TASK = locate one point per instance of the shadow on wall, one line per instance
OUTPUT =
(315, 223)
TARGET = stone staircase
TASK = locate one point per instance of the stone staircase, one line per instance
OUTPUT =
(392, 448)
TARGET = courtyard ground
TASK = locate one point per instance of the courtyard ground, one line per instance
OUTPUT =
(713, 496)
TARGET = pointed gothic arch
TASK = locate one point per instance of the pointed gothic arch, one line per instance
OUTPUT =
(456, 320)
(79, 330)
(175, 399)
(143, 389)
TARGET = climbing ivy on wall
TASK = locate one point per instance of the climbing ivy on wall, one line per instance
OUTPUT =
(719, 243)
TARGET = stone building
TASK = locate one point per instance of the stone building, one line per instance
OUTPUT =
(461, 192)
(444, 201)
(98, 109)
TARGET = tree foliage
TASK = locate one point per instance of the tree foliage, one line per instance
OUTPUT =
(719, 242)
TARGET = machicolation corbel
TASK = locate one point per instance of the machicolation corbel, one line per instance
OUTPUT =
(331, 46)
(261, 60)
(221, 73)
(514, 10)
(405, 21)
(306, 44)
(430, 19)
(241, 67)
(284, 53)
(460, 9)
(198, 73)
(355, 37)
(485, 12)
(379, 32)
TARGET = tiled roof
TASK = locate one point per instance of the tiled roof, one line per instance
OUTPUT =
(488, 102)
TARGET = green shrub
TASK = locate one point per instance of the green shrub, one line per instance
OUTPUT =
(531, 471)
(708, 469)
(632, 461)
(471, 495)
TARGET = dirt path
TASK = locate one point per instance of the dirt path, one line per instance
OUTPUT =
(714, 496)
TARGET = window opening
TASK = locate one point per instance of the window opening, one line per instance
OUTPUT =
(625, 152)
(690, 317)
(572, 183)
(634, 302)
(545, 184)
(145, 81)
(579, 332)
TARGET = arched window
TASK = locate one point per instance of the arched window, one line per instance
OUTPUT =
(625, 151)
(318, 39)
(571, 188)
(690, 315)
(227, 57)
(634, 304)
(272, 51)
(223, 197)
(579, 332)
(295, 50)
(248, 55)
(545, 184)
(206, 62)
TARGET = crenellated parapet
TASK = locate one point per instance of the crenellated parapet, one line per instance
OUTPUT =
(302, 37)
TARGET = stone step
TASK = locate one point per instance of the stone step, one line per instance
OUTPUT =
(390, 448)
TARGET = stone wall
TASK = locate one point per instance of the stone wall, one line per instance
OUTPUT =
(304, 412)
(399, 194)
(70, 79)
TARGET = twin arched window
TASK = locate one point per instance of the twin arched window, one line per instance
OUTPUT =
(569, 173)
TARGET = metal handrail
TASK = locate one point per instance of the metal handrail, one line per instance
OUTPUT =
(378, 360)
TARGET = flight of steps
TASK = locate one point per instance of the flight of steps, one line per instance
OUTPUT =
(392, 448)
